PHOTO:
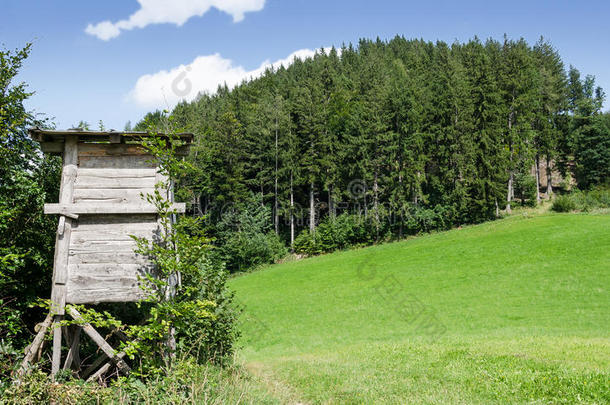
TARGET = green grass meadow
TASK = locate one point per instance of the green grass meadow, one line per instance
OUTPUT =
(510, 311)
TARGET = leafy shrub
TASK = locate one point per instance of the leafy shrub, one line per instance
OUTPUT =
(349, 230)
(598, 198)
(342, 232)
(304, 243)
(211, 338)
(525, 188)
(419, 219)
(37, 388)
(27, 236)
(592, 199)
(566, 182)
(246, 238)
(563, 203)
(196, 314)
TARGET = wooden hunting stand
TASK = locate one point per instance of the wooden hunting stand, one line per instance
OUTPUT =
(100, 205)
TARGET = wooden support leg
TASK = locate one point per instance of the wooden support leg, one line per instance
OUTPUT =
(38, 355)
(99, 340)
(56, 359)
(170, 351)
(104, 369)
(76, 352)
(89, 370)
(73, 358)
(67, 336)
(103, 358)
(35, 347)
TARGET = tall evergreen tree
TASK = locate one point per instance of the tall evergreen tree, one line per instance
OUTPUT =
(518, 80)
(550, 117)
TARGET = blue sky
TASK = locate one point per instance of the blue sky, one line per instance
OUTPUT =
(147, 55)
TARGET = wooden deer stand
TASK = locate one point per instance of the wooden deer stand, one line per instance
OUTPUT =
(100, 206)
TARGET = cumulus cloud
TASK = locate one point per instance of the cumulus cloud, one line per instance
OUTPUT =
(167, 87)
(175, 12)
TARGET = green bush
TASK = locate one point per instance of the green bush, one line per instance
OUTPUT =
(245, 238)
(342, 232)
(419, 219)
(598, 198)
(525, 189)
(563, 203)
(593, 199)
(304, 243)
(210, 339)
(349, 230)
(27, 180)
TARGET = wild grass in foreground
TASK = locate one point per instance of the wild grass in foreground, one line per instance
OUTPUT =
(511, 311)
(188, 383)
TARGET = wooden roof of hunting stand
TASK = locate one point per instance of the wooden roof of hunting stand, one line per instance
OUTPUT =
(104, 175)
(51, 140)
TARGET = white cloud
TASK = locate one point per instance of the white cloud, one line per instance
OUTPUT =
(166, 88)
(175, 12)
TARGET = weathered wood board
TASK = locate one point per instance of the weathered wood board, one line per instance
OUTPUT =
(115, 162)
(102, 264)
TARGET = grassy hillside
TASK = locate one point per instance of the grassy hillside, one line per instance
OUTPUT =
(514, 310)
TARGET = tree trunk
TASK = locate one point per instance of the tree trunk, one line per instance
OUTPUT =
(366, 209)
(400, 204)
(549, 178)
(510, 191)
(376, 204)
(401, 193)
(312, 211)
(509, 194)
(416, 189)
(331, 205)
(276, 218)
(375, 192)
(537, 179)
(291, 215)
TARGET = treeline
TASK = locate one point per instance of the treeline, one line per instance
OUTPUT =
(408, 134)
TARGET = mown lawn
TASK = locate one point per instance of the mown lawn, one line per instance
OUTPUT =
(511, 311)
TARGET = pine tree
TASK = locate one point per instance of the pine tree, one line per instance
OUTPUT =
(587, 139)
(488, 180)
(518, 84)
(552, 104)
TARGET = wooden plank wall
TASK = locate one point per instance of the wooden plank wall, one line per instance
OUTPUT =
(113, 185)
(102, 265)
